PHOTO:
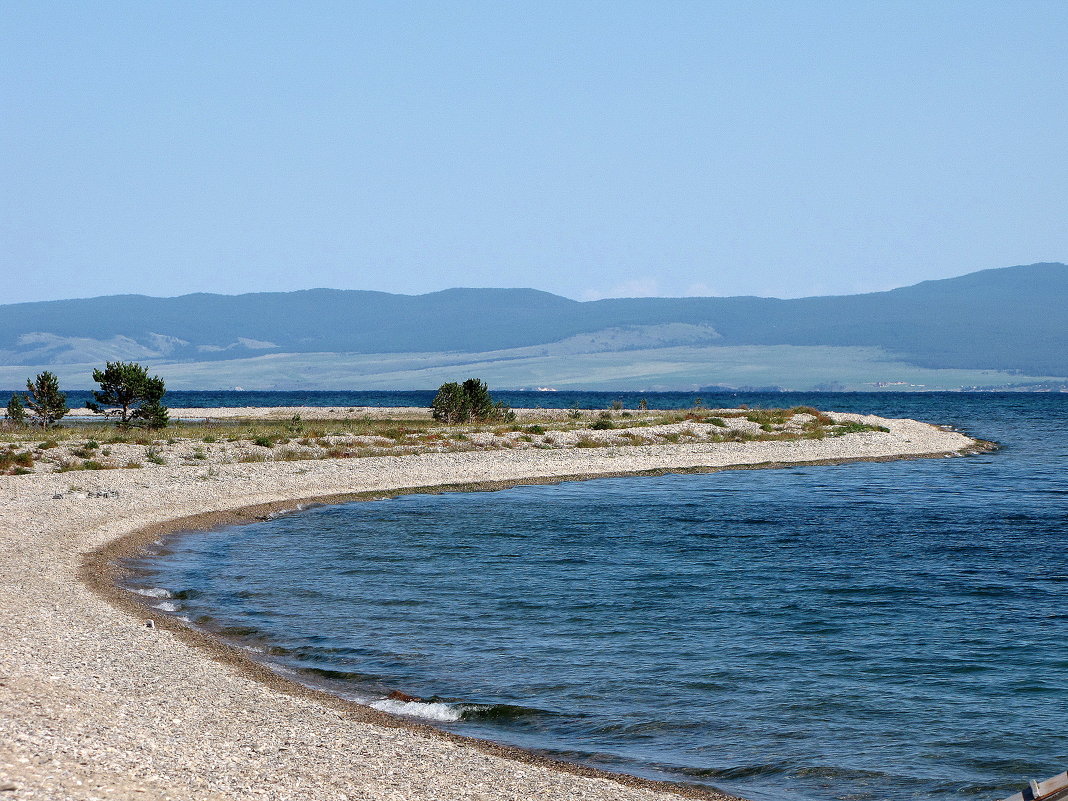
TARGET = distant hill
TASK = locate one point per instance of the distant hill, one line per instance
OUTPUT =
(1013, 320)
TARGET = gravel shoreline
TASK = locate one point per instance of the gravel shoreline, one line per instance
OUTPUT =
(97, 705)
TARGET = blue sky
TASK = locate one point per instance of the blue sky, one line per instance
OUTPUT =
(588, 149)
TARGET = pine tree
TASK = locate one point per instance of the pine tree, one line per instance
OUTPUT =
(45, 401)
(135, 397)
(449, 404)
(16, 412)
(153, 414)
(472, 401)
(478, 399)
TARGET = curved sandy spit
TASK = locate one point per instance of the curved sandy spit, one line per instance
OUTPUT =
(96, 705)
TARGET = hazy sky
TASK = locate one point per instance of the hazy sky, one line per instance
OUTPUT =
(588, 149)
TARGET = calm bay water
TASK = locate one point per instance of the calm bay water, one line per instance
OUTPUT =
(882, 631)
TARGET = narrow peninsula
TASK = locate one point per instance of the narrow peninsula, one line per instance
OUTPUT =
(105, 697)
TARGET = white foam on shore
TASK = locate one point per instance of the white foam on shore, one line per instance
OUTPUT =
(443, 713)
(151, 592)
(166, 606)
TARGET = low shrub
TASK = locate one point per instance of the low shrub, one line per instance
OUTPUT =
(768, 416)
(291, 455)
(603, 422)
(15, 463)
(588, 442)
(853, 427)
(458, 403)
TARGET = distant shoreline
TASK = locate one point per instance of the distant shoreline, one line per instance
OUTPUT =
(85, 673)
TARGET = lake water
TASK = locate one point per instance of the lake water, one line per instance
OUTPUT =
(866, 631)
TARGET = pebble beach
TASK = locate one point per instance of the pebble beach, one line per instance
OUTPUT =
(103, 697)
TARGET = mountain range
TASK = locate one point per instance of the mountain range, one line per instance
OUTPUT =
(1007, 326)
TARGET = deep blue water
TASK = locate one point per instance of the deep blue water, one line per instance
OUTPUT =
(845, 401)
(76, 398)
(877, 630)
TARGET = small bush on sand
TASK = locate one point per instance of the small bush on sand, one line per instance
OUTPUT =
(456, 403)
(855, 428)
(15, 463)
(603, 422)
(588, 442)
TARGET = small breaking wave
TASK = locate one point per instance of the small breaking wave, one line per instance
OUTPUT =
(151, 592)
(453, 711)
(428, 710)
(292, 510)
